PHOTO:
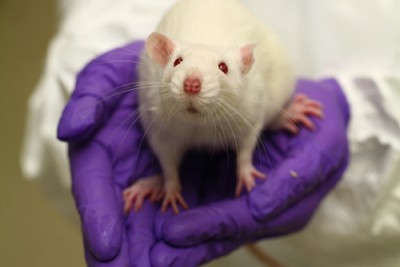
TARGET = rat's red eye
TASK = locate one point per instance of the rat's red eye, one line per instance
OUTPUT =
(177, 61)
(223, 67)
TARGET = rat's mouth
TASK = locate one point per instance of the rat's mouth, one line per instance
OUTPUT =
(193, 107)
(192, 110)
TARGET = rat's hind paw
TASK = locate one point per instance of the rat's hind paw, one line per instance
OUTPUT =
(246, 178)
(136, 193)
(297, 112)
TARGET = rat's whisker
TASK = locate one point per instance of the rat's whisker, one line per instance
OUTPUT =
(125, 61)
(139, 111)
(210, 115)
(224, 116)
(124, 89)
(248, 123)
(141, 142)
(165, 122)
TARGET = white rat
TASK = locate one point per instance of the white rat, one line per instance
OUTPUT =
(219, 77)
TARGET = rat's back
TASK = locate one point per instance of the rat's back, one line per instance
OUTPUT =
(219, 23)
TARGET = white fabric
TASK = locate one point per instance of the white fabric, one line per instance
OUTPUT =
(358, 224)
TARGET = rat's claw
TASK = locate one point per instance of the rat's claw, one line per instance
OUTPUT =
(297, 112)
(239, 188)
(290, 126)
(136, 193)
(173, 199)
(248, 184)
(300, 98)
(129, 198)
(304, 120)
(182, 202)
(258, 174)
(139, 202)
(169, 201)
(164, 205)
(247, 177)
(315, 111)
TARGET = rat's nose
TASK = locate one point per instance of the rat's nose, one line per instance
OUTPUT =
(192, 85)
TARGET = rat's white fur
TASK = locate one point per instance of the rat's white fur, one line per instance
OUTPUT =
(231, 108)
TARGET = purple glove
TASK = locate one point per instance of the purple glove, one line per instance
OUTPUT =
(107, 154)
(103, 151)
(301, 170)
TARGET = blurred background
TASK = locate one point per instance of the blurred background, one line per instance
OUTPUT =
(32, 232)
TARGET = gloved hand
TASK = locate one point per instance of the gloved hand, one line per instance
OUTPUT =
(107, 154)
(104, 151)
(301, 170)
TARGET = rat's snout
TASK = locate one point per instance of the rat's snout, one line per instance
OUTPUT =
(192, 85)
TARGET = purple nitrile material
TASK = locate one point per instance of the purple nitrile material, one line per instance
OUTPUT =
(108, 152)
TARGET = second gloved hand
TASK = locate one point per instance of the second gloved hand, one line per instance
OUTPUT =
(301, 170)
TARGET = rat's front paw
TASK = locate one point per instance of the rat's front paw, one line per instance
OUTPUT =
(173, 197)
(246, 177)
(136, 193)
(297, 112)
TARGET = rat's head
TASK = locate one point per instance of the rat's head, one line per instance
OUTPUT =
(201, 79)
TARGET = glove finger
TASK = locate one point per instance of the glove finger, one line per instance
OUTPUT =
(164, 255)
(127, 144)
(98, 201)
(224, 219)
(141, 236)
(99, 88)
(120, 260)
(298, 215)
(232, 220)
(312, 158)
(80, 118)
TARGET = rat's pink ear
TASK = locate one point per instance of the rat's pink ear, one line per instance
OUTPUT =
(160, 48)
(247, 56)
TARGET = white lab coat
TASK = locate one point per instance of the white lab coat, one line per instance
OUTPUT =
(355, 41)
